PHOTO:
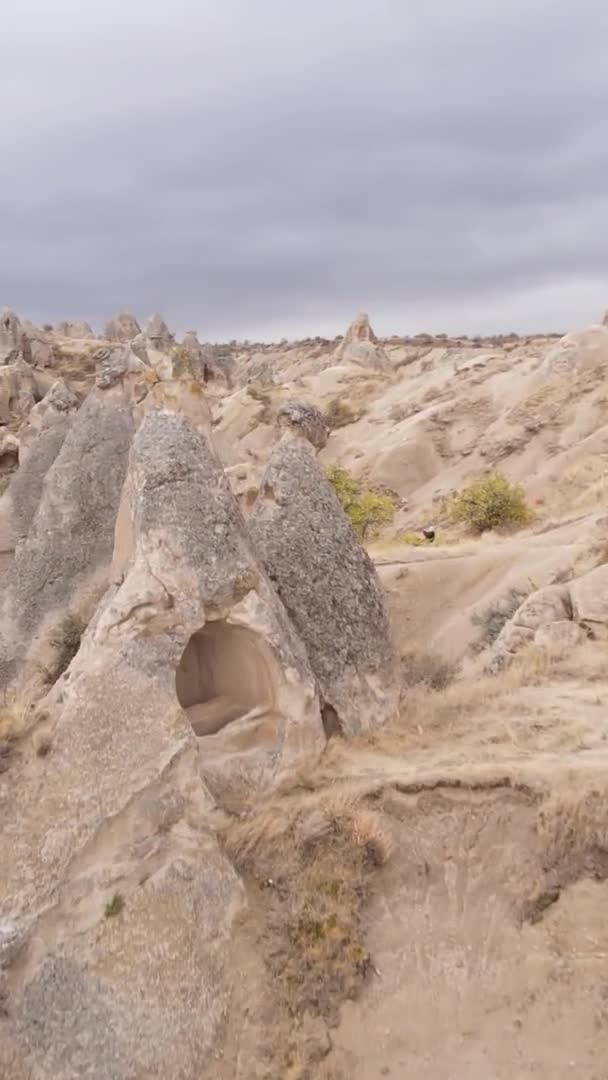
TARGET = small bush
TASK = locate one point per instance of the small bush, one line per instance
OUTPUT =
(426, 669)
(65, 639)
(496, 615)
(366, 509)
(491, 503)
(339, 414)
(4, 482)
(114, 906)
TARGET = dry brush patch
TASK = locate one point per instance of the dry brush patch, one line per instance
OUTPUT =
(314, 860)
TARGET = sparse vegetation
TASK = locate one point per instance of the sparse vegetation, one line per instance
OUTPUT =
(65, 640)
(493, 502)
(4, 482)
(316, 868)
(368, 510)
(493, 617)
(114, 906)
(427, 670)
(340, 413)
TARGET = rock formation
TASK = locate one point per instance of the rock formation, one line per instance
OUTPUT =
(360, 346)
(303, 419)
(123, 327)
(327, 583)
(158, 334)
(76, 330)
(11, 337)
(578, 351)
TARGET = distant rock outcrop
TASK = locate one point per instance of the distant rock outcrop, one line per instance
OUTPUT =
(328, 585)
(76, 330)
(360, 346)
(303, 419)
(11, 337)
(158, 334)
(578, 351)
(123, 327)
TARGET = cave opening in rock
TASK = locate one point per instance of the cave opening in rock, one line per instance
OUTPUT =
(225, 672)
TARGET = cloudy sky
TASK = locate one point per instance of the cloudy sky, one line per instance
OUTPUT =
(260, 168)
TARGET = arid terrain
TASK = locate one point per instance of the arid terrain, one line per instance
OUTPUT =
(365, 833)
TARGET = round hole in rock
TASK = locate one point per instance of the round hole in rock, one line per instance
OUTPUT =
(224, 673)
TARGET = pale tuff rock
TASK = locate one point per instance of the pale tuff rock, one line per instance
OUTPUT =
(41, 439)
(360, 346)
(589, 596)
(190, 640)
(17, 390)
(259, 371)
(123, 327)
(328, 585)
(69, 544)
(113, 365)
(11, 335)
(559, 638)
(579, 351)
(545, 606)
(76, 330)
(304, 419)
(158, 334)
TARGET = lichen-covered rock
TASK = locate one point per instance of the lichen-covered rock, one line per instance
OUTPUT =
(123, 327)
(360, 346)
(158, 334)
(328, 585)
(259, 371)
(113, 365)
(304, 419)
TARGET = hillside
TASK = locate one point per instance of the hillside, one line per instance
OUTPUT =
(276, 804)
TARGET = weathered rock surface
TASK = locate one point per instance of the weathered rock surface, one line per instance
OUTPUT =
(64, 559)
(11, 333)
(123, 327)
(328, 585)
(17, 391)
(543, 608)
(559, 637)
(360, 346)
(577, 351)
(304, 419)
(158, 334)
(589, 596)
(78, 330)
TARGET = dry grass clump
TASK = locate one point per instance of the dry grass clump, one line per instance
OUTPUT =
(65, 640)
(315, 864)
(426, 669)
(495, 616)
(340, 413)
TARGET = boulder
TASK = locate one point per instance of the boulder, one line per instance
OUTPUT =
(558, 638)
(17, 390)
(589, 596)
(123, 327)
(328, 585)
(543, 607)
(259, 371)
(360, 346)
(158, 334)
(303, 419)
(578, 351)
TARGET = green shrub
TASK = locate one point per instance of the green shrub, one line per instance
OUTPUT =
(4, 482)
(491, 503)
(114, 906)
(367, 510)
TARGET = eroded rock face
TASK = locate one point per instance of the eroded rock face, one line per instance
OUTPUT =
(589, 595)
(328, 585)
(120, 824)
(360, 346)
(78, 330)
(544, 607)
(304, 419)
(158, 334)
(10, 337)
(575, 352)
(64, 558)
(123, 327)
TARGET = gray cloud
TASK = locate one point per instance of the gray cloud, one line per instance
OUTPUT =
(267, 169)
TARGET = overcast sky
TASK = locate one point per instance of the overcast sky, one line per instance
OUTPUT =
(260, 168)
